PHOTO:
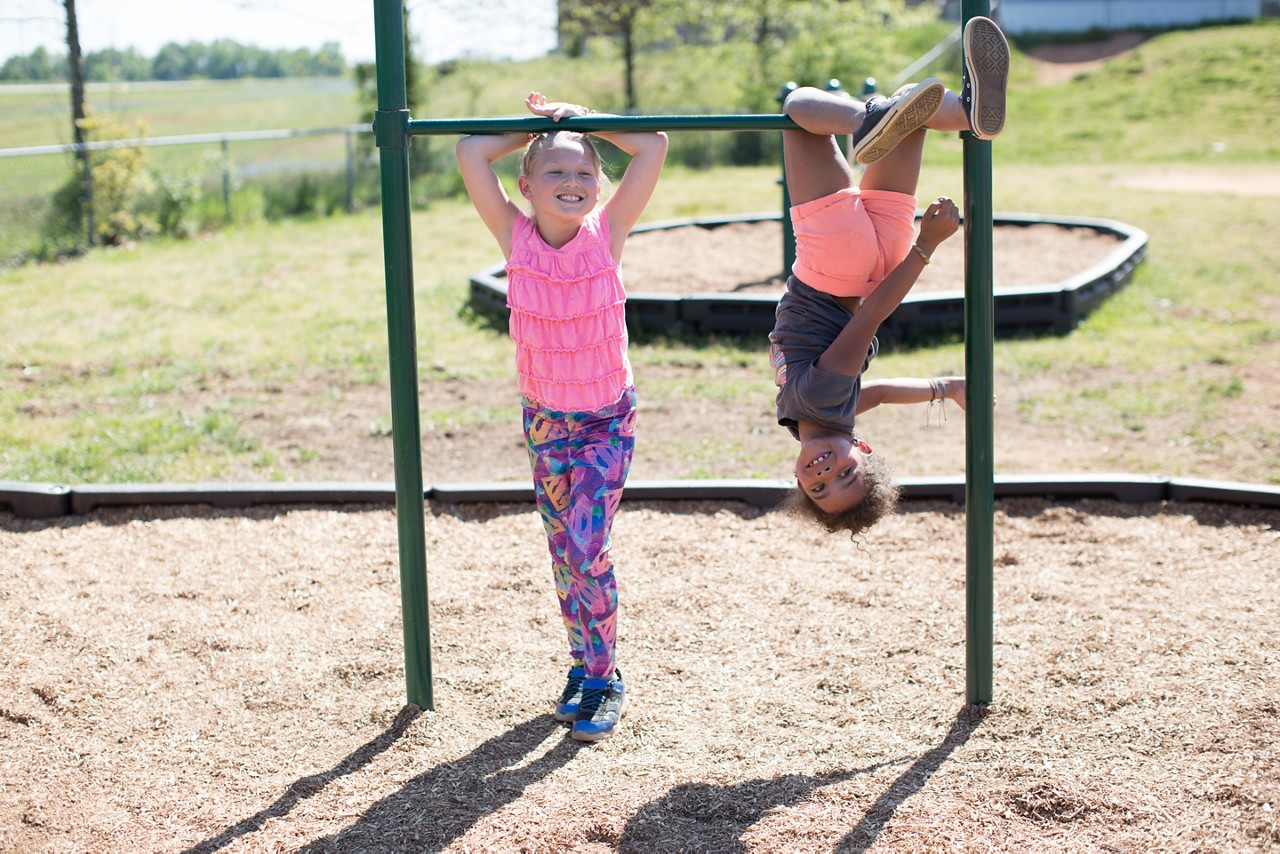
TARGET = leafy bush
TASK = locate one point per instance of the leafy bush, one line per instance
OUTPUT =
(121, 186)
(119, 192)
(176, 203)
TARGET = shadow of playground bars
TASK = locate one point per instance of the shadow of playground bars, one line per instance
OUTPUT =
(438, 807)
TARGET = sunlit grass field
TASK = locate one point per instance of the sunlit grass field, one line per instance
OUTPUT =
(41, 115)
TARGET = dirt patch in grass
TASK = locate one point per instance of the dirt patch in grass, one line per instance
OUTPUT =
(1059, 63)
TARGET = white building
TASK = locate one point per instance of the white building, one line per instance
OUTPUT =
(1018, 17)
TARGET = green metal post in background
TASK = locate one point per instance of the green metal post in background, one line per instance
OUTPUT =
(788, 231)
(391, 131)
(979, 357)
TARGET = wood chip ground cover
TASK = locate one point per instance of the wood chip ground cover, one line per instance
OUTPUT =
(194, 679)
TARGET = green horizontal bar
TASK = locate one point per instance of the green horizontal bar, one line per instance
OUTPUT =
(587, 124)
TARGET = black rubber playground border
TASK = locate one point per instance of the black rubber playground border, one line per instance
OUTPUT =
(1041, 308)
(50, 500)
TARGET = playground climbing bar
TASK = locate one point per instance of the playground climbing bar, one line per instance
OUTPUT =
(587, 124)
(393, 129)
(397, 251)
(979, 358)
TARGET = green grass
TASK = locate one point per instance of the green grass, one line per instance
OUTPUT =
(96, 354)
(1194, 96)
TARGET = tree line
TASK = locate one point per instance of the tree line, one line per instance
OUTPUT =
(222, 59)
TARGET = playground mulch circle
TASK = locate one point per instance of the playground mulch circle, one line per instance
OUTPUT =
(729, 258)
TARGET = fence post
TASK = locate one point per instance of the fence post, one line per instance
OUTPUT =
(87, 179)
(226, 178)
(351, 170)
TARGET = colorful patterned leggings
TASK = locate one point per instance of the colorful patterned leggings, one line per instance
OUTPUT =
(580, 462)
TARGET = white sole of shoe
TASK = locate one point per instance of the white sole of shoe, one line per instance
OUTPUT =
(986, 57)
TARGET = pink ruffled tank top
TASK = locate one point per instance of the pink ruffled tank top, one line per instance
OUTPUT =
(568, 317)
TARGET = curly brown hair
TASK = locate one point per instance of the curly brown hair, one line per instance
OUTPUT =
(881, 498)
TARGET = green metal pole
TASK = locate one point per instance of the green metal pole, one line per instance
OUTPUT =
(586, 124)
(392, 136)
(979, 357)
(788, 230)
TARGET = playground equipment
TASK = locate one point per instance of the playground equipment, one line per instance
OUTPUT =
(1031, 308)
(393, 130)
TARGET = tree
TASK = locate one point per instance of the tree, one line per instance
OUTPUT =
(639, 26)
(111, 65)
(75, 65)
(422, 154)
(38, 65)
(171, 63)
(366, 73)
(581, 19)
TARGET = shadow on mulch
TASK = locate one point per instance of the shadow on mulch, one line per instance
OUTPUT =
(697, 816)
(912, 780)
(446, 801)
(312, 784)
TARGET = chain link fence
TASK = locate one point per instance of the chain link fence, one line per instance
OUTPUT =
(226, 176)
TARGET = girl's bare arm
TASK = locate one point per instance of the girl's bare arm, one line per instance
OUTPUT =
(648, 153)
(911, 390)
(476, 156)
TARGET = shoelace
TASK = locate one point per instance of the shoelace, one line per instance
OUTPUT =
(571, 689)
(592, 699)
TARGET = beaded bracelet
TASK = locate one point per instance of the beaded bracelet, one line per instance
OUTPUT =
(938, 395)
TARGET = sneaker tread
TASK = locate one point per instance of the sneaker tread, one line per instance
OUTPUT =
(986, 76)
(913, 109)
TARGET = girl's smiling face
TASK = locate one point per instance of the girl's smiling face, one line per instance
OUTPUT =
(831, 470)
(563, 179)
